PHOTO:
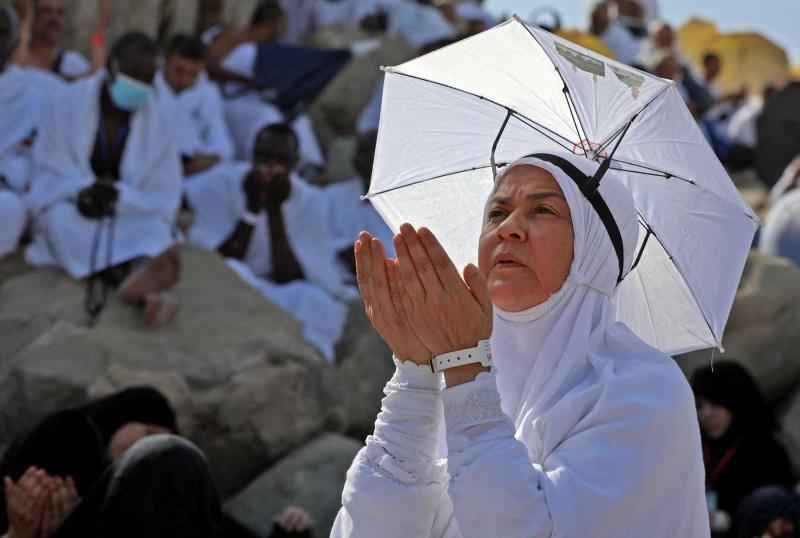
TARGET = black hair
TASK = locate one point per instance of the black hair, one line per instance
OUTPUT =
(133, 44)
(266, 11)
(708, 56)
(730, 385)
(278, 129)
(186, 46)
(9, 32)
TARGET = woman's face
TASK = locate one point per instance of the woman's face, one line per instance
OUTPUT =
(526, 245)
(714, 419)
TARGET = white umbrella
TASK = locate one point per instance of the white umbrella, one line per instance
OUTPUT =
(450, 118)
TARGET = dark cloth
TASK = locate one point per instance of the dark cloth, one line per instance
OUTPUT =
(748, 455)
(65, 444)
(137, 404)
(160, 488)
(74, 443)
(762, 507)
(755, 462)
(778, 130)
(296, 75)
(108, 150)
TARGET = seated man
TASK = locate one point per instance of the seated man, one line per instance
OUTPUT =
(107, 182)
(14, 131)
(45, 51)
(350, 215)
(22, 97)
(203, 135)
(247, 109)
(274, 229)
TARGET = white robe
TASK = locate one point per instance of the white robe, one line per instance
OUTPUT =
(202, 127)
(319, 301)
(23, 94)
(74, 65)
(248, 113)
(625, 46)
(780, 235)
(419, 24)
(149, 186)
(350, 215)
(580, 430)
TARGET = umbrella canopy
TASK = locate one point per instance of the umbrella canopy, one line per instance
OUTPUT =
(452, 118)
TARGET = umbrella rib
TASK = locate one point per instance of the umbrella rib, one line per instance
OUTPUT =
(425, 180)
(654, 174)
(579, 128)
(576, 123)
(482, 98)
(611, 137)
(536, 127)
(497, 141)
(680, 272)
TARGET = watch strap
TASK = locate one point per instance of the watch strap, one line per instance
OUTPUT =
(481, 354)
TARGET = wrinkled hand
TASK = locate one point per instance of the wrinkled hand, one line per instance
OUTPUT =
(25, 503)
(294, 519)
(446, 312)
(63, 498)
(375, 274)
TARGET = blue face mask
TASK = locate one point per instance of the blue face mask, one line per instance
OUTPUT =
(129, 94)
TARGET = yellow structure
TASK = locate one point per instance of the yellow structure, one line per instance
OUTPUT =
(586, 40)
(750, 60)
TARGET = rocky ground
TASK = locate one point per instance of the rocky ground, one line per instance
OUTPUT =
(268, 411)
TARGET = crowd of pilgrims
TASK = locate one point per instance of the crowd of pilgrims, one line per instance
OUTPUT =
(102, 160)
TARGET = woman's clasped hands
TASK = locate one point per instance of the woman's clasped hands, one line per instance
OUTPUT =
(37, 504)
(419, 303)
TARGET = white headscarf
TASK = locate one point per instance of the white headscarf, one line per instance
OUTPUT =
(539, 339)
(565, 367)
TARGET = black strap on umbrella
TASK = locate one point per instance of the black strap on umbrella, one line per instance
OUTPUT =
(588, 186)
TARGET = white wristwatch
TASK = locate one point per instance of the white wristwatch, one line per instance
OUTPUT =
(481, 353)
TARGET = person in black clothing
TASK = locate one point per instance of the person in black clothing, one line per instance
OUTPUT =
(738, 429)
(93, 471)
(769, 512)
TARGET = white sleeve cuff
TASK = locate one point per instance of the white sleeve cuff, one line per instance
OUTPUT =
(411, 375)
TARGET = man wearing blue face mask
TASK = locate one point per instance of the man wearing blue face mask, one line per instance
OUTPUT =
(107, 184)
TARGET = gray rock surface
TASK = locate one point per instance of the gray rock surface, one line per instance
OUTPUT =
(247, 387)
(311, 477)
(762, 331)
(362, 374)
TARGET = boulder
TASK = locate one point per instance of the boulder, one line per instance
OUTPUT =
(362, 374)
(335, 112)
(762, 332)
(311, 477)
(247, 387)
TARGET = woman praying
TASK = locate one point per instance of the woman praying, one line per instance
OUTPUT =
(567, 424)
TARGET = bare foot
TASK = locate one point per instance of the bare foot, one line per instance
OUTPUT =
(159, 274)
(160, 309)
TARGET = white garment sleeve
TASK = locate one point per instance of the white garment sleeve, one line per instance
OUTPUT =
(396, 488)
(160, 192)
(220, 141)
(490, 472)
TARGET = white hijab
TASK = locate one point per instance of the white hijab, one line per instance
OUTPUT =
(576, 383)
